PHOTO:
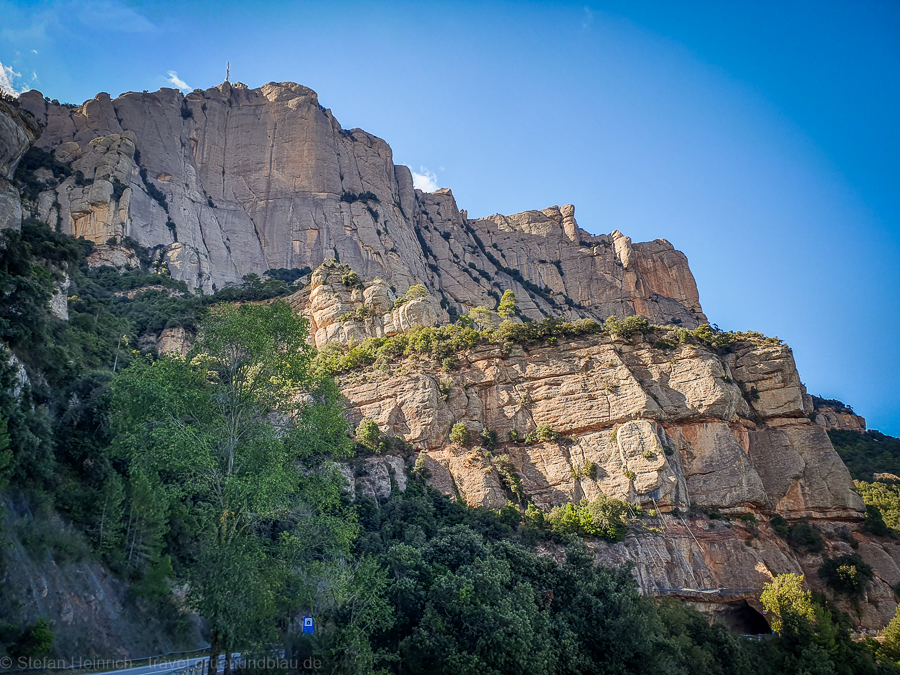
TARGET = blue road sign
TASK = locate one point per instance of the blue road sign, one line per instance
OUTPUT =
(308, 625)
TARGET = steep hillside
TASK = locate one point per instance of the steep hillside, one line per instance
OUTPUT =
(657, 418)
(710, 466)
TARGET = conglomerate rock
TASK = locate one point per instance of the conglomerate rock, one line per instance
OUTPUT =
(231, 181)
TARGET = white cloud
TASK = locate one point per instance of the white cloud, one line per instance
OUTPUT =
(588, 18)
(179, 83)
(424, 180)
(7, 81)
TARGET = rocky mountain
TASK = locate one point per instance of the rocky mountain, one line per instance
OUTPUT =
(231, 181)
(684, 430)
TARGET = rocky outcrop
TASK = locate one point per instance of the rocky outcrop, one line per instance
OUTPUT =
(677, 431)
(120, 257)
(668, 428)
(833, 414)
(18, 132)
(341, 308)
(231, 181)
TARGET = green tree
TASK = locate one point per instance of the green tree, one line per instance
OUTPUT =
(6, 455)
(784, 597)
(108, 537)
(147, 520)
(847, 574)
(460, 435)
(34, 641)
(482, 317)
(368, 434)
(891, 635)
(417, 292)
(508, 305)
(245, 437)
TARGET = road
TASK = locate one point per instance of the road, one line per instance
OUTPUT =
(188, 666)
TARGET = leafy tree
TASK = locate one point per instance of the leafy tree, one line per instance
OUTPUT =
(417, 292)
(147, 519)
(241, 432)
(368, 434)
(891, 635)
(34, 641)
(847, 574)
(603, 517)
(885, 499)
(6, 455)
(784, 597)
(508, 305)
(482, 317)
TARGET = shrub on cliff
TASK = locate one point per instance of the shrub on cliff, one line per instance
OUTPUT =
(847, 574)
(459, 434)
(603, 517)
(368, 434)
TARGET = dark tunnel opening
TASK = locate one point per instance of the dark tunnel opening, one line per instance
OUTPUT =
(744, 620)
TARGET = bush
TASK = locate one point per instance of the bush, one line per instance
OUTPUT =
(34, 641)
(488, 439)
(805, 537)
(847, 574)
(368, 434)
(586, 470)
(543, 432)
(627, 327)
(604, 517)
(459, 434)
(351, 197)
(351, 280)
(750, 520)
(780, 525)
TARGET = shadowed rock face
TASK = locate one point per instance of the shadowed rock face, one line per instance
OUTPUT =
(18, 133)
(230, 181)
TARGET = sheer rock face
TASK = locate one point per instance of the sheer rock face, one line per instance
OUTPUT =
(672, 427)
(18, 132)
(229, 181)
(669, 430)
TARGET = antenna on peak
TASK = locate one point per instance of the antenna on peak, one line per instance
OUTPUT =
(227, 70)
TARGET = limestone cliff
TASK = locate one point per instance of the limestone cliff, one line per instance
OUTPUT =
(669, 429)
(231, 181)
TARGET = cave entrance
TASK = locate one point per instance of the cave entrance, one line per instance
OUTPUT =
(744, 620)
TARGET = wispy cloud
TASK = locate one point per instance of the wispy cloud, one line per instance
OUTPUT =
(424, 180)
(8, 79)
(178, 82)
(588, 19)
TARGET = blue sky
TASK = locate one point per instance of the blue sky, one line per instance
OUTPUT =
(760, 138)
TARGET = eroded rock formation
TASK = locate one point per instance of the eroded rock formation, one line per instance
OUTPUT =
(231, 181)
(671, 430)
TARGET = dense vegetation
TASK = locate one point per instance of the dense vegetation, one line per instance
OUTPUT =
(868, 453)
(217, 470)
(445, 343)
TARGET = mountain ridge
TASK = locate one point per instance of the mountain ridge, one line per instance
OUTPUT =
(231, 181)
